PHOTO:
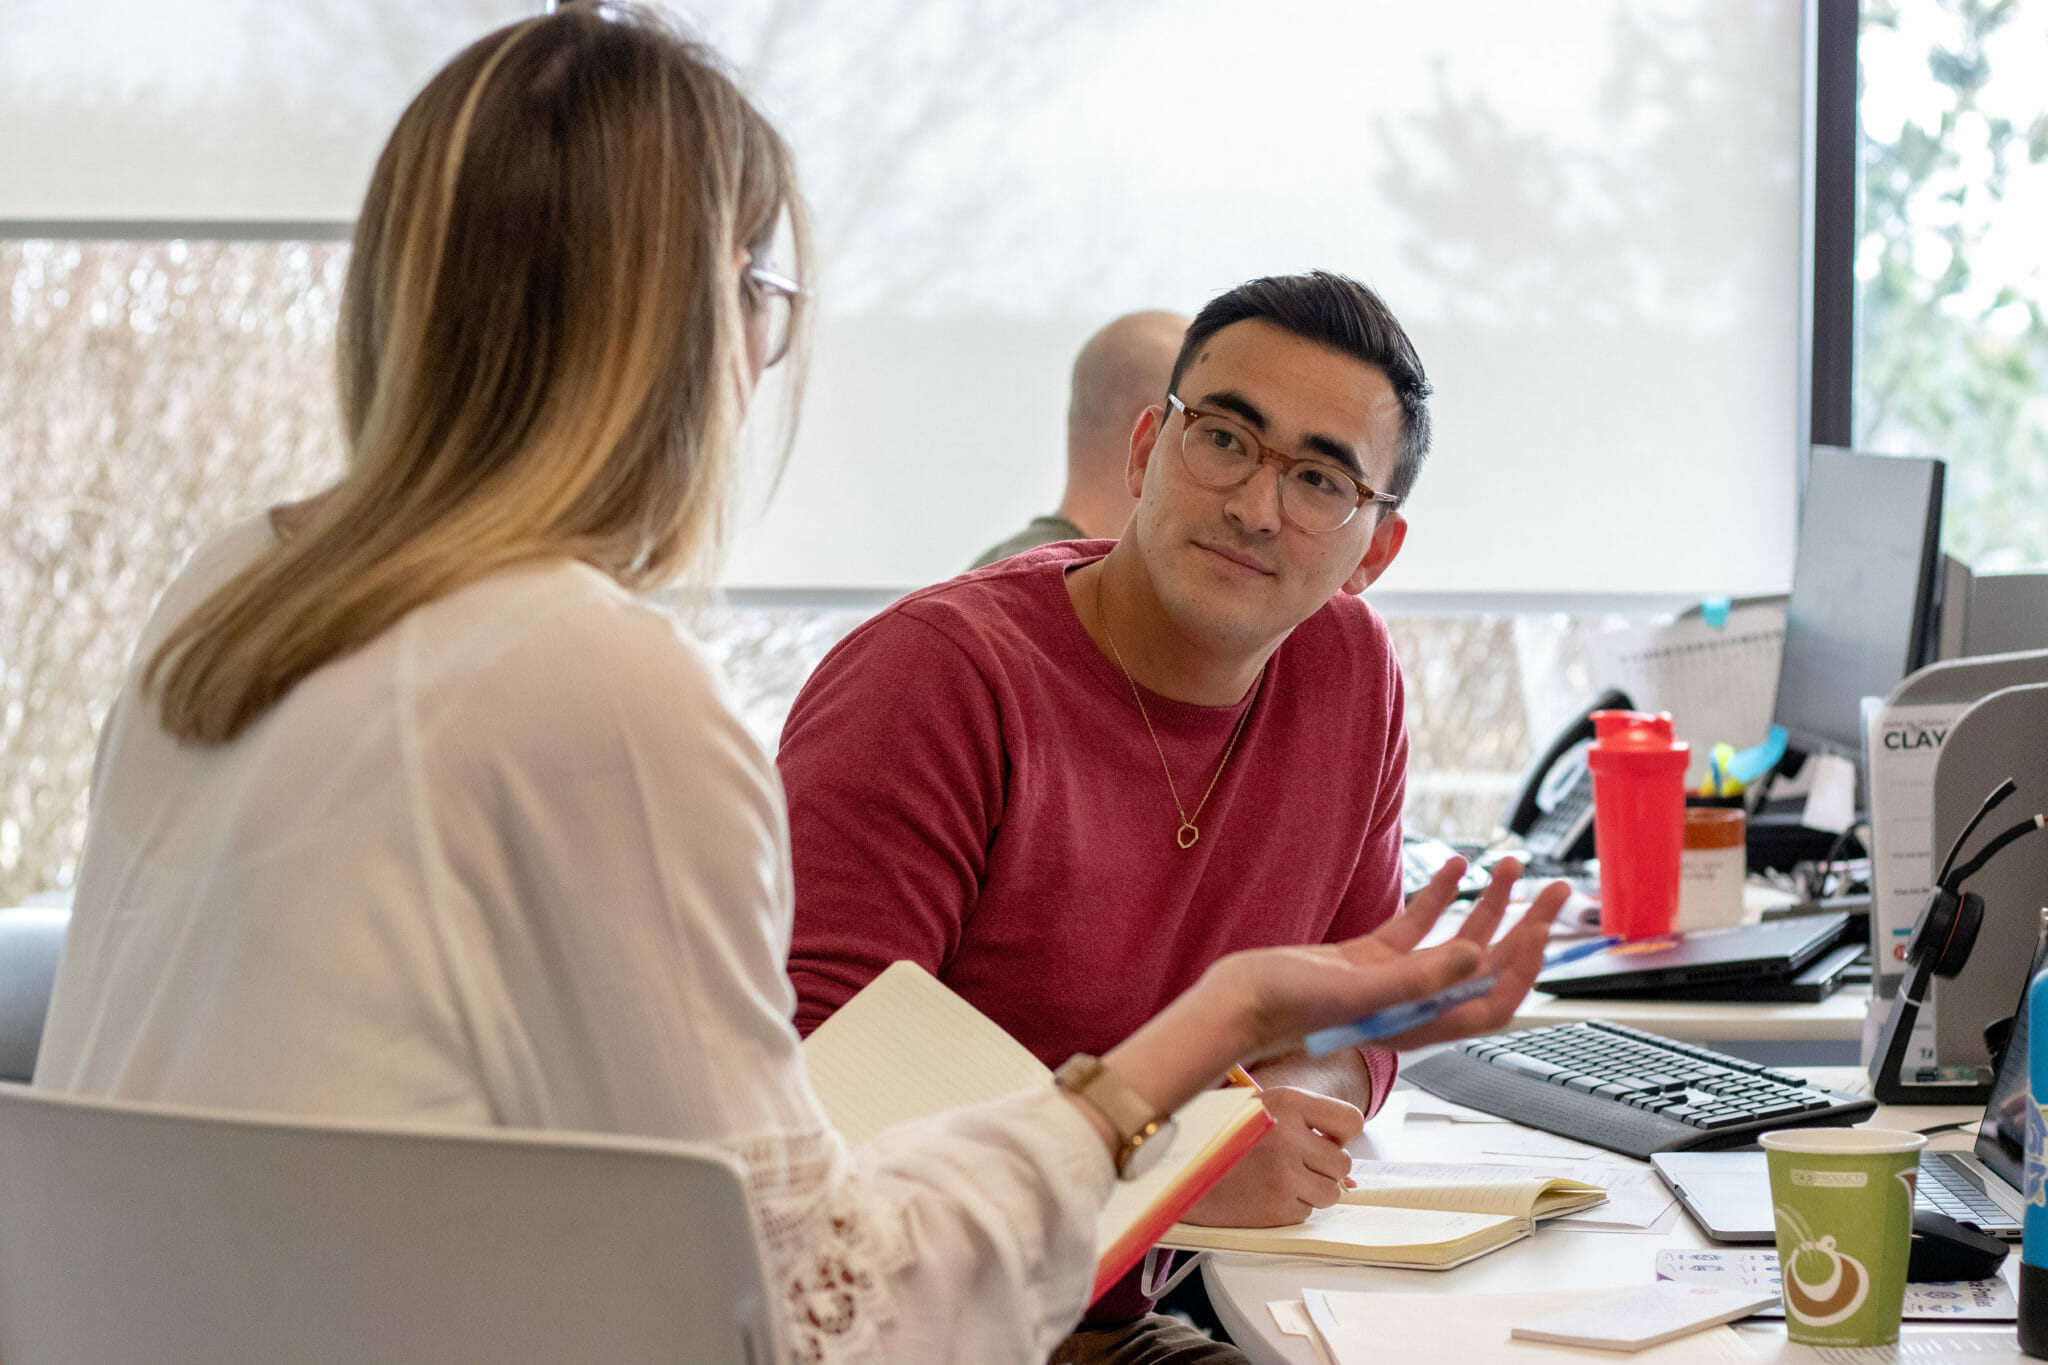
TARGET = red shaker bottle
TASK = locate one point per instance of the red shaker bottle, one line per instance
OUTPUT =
(1638, 820)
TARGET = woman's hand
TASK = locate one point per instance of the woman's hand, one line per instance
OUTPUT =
(1515, 959)
(1295, 991)
(1257, 1003)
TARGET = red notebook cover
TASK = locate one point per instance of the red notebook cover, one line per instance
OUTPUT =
(1222, 1151)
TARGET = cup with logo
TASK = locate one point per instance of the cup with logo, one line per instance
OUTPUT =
(1844, 1204)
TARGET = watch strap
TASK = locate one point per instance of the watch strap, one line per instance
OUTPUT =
(1131, 1116)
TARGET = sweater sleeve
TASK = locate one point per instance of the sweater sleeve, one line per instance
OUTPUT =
(1374, 892)
(892, 759)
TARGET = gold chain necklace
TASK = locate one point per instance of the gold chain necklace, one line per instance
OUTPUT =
(1186, 835)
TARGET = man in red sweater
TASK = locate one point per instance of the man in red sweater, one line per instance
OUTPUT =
(1069, 782)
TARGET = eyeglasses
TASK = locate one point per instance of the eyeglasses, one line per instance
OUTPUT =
(769, 299)
(1317, 495)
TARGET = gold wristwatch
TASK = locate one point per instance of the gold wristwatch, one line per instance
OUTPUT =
(1143, 1134)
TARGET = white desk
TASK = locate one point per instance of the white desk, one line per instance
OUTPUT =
(1555, 1257)
(1837, 1019)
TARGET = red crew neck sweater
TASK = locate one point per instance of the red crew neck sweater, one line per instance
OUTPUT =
(971, 787)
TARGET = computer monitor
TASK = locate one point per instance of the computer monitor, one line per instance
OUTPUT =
(1864, 607)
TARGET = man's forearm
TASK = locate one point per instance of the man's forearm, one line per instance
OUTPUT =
(1343, 1075)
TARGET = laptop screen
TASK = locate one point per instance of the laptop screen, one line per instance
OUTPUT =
(2002, 1135)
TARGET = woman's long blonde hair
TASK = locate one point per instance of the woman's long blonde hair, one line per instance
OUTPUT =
(541, 349)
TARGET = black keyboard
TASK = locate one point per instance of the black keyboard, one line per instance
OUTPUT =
(1627, 1090)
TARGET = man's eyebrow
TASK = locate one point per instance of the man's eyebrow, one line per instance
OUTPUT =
(1332, 448)
(1231, 401)
(1329, 447)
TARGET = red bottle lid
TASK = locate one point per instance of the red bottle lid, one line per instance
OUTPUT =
(1635, 742)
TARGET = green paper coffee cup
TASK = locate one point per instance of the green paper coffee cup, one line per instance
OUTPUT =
(1844, 1204)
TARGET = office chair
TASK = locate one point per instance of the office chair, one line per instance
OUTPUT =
(134, 1233)
(31, 941)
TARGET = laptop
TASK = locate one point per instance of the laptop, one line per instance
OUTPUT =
(1758, 955)
(1729, 1193)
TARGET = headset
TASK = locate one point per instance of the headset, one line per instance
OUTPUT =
(1940, 945)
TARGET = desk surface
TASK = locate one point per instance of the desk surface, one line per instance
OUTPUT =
(1555, 1257)
(1837, 1019)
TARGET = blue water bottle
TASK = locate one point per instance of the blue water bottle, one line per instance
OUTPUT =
(2033, 1320)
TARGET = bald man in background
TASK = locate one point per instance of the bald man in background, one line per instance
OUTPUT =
(1121, 370)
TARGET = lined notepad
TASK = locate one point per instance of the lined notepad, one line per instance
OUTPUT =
(906, 1048)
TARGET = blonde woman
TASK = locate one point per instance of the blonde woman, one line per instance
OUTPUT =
(412, 810)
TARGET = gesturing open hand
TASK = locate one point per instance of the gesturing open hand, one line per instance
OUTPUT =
(1295, 991)
(1515, 958)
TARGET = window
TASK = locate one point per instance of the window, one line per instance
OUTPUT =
(1952, 297)
(1588, 216)
(150, 392)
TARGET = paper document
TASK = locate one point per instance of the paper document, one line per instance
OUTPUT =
(1831, 801)
(1427, 1106)
(1963, 1301)
(1291, 1317)
(1984, 1346)
(1637, 1200)
(1515, 1140)
(1902, 747)
(1718, 682)
(1367, 1328)
(1643, 1316)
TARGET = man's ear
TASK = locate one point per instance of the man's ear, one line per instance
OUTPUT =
(1144, 436)
(1386, 543)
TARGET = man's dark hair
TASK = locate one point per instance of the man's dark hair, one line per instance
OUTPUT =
(1339, 313)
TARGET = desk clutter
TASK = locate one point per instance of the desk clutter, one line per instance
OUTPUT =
(1988, 1300)
(1599, 1288)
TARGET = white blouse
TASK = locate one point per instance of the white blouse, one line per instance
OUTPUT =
(516, 861)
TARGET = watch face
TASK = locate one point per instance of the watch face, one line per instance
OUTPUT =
(1148, 1153)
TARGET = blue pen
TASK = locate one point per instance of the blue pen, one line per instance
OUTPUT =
(1415, 1013)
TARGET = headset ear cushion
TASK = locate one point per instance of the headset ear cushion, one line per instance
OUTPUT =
(1931, 931)
(1969, 919)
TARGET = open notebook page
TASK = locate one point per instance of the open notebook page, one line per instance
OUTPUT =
(906, 1048)
(1469, 1188)
(1370, 1234)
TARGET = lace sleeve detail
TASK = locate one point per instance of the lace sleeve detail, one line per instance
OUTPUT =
(966, 1236)
(831, 1259)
